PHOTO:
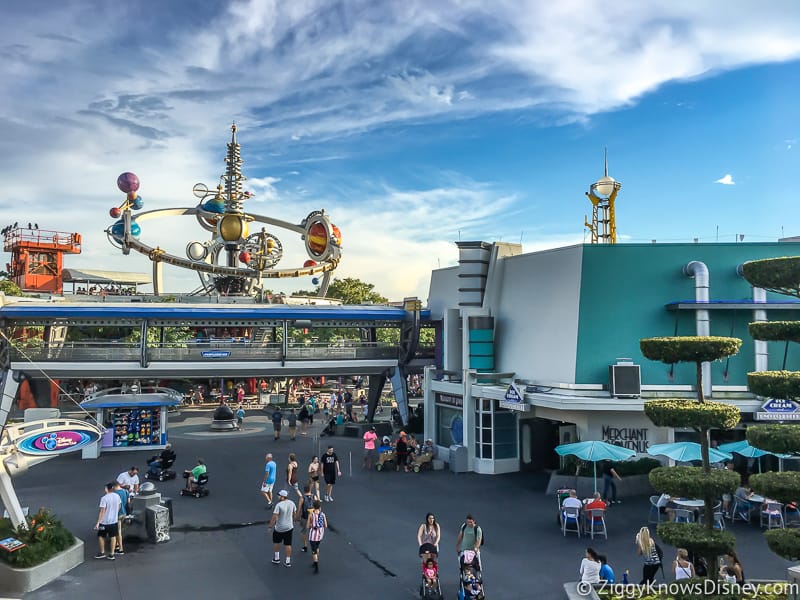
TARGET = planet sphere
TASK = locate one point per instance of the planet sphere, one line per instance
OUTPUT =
(128, 182)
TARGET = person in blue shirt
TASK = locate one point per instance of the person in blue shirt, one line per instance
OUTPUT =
(270, 469)
(123, 511)
(606, 573)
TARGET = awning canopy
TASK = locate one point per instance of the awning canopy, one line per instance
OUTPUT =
(95, 276)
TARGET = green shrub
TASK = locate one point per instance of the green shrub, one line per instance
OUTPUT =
(691, 482)
(44, 538)
(674, 412)
(695, 349)
(782, 439)
(781, 275)
(775, 384)
(775, 331)
(782, 487)
(696, 538)
(784, 542)
(699, 582)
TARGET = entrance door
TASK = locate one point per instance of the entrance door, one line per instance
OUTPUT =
(537, 438)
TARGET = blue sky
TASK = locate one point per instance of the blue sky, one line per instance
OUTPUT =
(412, 123)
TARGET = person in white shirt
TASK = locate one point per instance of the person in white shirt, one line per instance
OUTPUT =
(129, 480)
(282, 525)
(107, 518)
(572, 501)
(590, 567)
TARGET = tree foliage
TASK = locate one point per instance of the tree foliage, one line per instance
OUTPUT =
(692, 482)
(777, 486)
(9, 288)
(780, 275)
(775, 384)
(698, 539)
(697, 349)
(674, 412)
(781, 439)
(775, 331)
(784, 543)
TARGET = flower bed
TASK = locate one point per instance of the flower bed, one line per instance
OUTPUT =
(44, 538)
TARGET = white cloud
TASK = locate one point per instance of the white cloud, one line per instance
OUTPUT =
(726, 179)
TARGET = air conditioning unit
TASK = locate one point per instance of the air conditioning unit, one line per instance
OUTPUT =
(624, 379)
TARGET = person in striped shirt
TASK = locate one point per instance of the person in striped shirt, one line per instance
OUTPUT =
(317, 523)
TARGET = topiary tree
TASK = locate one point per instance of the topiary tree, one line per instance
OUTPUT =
(780, 275)
(701, 415)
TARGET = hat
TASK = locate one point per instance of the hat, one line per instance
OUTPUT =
(372, 429)
(283, 494)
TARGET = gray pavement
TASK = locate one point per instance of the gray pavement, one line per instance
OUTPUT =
(220, 545)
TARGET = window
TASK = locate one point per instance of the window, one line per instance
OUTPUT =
(495, 430)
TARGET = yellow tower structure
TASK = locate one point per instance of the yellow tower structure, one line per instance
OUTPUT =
(602, 194)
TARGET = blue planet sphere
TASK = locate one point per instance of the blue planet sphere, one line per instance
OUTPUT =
(315, 281)
(118, 230)
(138, 203)
(215, 206)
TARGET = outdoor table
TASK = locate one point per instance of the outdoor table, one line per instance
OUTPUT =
(689, 503)
(756, 499)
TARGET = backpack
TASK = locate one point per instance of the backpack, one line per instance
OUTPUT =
(478, 529)
(306, 505)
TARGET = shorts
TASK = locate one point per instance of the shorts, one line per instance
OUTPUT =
(282, 536)
(315, 478)
(330, 477)
(427, 548)
(370, 453)
(314, 547)
(267, 487)
(108, 530)
(294, 487)
(277, 426)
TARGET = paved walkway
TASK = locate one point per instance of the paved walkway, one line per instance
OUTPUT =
(220, 545)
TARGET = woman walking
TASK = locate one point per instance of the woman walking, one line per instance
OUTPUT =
(646, 548)
(317, 523)
(429, 535)
(291, 474)
(313, 475)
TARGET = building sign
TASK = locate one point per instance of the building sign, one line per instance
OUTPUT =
(215, 353)
(59, 441)
(514, 400)
(627, 437)
(11, 544)
(449, 400)
(777, 409)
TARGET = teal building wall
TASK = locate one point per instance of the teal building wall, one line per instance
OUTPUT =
(623, 293)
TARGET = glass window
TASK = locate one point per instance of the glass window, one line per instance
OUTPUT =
(448, 423)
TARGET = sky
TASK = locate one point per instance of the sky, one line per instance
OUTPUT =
(412, 123)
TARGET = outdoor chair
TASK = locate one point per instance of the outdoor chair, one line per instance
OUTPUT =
(741, 510)
(595, 522)
(719, 519)
(683, 515)
(655, 513)
(772, 516)
(571, 516)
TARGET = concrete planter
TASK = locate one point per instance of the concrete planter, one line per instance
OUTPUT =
(20, 581)
(631, 485)
(571, 590)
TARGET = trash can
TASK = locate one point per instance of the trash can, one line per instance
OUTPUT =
(157, 523)
(459, 461)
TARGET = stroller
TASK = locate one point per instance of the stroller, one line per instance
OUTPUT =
(427, 590)
(470, 584)
(330, 428)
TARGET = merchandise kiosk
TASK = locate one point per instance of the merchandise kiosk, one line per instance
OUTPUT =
(133, 419)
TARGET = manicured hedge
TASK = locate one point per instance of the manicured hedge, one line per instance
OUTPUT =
(782, 439)
(780, 275)
(783, 487)
(784, 542)
(695, 349)
(691, 482)
(676, 412)
(696, 538)
(775, 331)
(775, 384)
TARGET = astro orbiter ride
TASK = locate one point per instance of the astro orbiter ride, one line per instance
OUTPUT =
(234, 261)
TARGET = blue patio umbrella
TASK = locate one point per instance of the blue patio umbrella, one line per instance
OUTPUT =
(686, 451)
(745, 449)
(594, 451)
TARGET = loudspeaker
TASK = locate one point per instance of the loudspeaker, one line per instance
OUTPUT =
(625, 381)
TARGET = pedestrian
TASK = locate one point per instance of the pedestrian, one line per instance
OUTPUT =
(240, 394)
(306, 504)
(313, 475)
(401, 449)
(270, 470)
(370, 437)
(282, 526)
(123, 511)
(470, 536)
(429, 535)
(240, 417)
(330, 471)
(277, 421)
(303, 416)
(590, 567)
(647, 548)
(606, 572)
(291, 419)
(129, 480)
(107, 522)
(291, 474)
(348, 407)
(317, 523)
(609, 475)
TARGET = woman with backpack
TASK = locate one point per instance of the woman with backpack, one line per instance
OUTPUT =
(647, 548)
(317, 523)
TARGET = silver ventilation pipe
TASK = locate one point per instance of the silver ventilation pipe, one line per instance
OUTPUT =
(760, 347)
(699, 271)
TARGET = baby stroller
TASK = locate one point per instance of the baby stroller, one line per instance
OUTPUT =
(427, 590)
(470, 585)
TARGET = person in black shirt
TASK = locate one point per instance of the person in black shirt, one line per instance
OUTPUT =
(330, 471)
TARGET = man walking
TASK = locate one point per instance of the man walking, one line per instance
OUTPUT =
(282, 526)
(270, 472)
(330, 471)
(470, 536)
(292, 420)
(106, 525)
(277, 421)
(306, 504)
(123, 511)
(370, 437)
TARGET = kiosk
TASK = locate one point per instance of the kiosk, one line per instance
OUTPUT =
(133, 419)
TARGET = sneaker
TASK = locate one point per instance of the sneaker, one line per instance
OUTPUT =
(327, 499)
(99, 555)
(330, 498)
(120, 552)
(316, 568)
(111, 557)
(287, 564)
(304, 549)
(276, 561)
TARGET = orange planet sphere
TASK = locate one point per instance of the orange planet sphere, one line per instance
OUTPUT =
(310, 263)
(317, 240)
(337, 235)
